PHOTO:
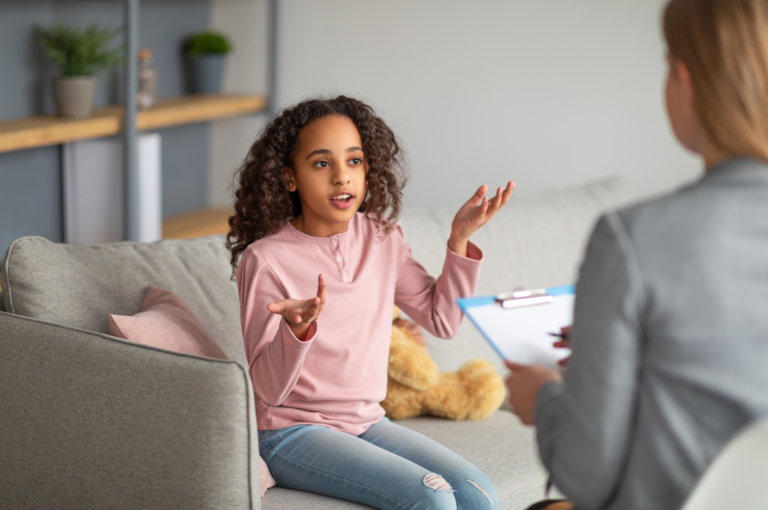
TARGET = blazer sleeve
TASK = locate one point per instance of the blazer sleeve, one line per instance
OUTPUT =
(585, 424)
(431, 302)
(275, 355)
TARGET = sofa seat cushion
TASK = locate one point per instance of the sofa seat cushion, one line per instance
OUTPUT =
(503, 448)
(80, 286)
(500, 445)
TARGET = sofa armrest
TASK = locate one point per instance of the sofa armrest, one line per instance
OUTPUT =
(91, 421)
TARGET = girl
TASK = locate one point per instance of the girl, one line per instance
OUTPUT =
(670, 339)
(311, 220)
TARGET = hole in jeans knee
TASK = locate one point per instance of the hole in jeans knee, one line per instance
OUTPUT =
(480, 488)
(437, 483)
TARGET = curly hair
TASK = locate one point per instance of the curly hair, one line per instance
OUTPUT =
(263, 204)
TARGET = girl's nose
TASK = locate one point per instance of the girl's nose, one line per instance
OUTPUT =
(340, 176)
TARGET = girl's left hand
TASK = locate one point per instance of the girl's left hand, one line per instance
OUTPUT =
(474, 214)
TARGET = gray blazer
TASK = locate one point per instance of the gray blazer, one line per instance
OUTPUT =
(670, 344)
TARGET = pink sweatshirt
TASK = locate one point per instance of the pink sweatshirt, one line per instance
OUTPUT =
(338, 376)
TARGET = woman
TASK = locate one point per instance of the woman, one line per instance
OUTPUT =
(670, 336)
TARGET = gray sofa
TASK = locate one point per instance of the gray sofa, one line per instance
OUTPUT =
(91, 421)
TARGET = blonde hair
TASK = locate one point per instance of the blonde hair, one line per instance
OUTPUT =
(724, 45)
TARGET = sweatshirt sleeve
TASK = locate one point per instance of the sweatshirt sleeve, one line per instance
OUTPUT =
(432, 302)
(275, 355)
(584, 425)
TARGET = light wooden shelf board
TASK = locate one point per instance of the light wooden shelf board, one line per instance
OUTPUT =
(204, 222)
(50, 130)
(188, 109)
(39, 131)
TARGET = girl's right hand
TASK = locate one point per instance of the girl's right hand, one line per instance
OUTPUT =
(300, 314)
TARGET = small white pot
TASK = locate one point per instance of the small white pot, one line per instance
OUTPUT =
(73, 95)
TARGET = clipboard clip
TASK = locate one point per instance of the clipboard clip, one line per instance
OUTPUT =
(522, 298)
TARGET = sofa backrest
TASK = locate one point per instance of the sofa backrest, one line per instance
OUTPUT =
(79, 286)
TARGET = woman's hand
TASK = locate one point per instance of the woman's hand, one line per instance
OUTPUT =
(524, 384)
(300, 314)
(474, 214)
(565, 343)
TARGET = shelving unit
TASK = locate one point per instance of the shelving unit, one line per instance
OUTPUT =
(32, 132)
(127, 121)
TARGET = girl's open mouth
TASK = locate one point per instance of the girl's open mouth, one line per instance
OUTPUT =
(342, 200)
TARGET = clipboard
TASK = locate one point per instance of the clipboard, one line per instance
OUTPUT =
(518, 325)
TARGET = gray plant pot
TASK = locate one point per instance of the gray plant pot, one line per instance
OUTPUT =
(73, 95)
(204, 73)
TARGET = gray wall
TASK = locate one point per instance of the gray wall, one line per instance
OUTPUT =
(546, 92)
(246, 71)
(30, 195)
(32, 177)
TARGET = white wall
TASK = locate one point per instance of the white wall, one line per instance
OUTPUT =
(548, 92)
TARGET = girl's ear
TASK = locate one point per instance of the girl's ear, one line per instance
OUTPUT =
(290, 178)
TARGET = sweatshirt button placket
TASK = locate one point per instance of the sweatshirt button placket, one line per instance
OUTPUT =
(340, 261)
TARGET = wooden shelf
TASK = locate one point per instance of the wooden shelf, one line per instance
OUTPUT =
(204, 222)
(51, 130)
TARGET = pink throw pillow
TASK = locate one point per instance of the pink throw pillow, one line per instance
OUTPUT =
(166, 321)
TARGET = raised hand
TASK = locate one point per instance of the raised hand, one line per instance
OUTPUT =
(300, 314)
(474, 214)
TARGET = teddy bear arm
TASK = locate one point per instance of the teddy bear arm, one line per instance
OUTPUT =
(403, 402)
(410, 363)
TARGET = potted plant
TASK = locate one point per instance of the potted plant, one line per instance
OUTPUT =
(204, 54)
(80, 54)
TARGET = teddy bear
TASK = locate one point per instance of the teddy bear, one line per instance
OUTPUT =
(415, 385)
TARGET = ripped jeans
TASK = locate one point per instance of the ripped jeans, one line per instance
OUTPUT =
(386, 467)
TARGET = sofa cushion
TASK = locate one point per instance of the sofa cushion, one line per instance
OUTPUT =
(537, 240)
(80, 286)
(166, 321)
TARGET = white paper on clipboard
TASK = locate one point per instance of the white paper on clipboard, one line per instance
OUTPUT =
(522, 335)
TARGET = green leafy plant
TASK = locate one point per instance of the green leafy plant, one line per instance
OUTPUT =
(80, 51)
(207, 43)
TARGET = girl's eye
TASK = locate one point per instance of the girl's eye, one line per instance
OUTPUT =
(356, 161)
(321, 164)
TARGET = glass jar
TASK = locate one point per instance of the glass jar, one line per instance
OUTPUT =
(147, 80)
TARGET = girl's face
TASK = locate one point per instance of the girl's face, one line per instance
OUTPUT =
(329, 174)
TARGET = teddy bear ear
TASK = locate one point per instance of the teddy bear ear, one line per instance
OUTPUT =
(395, 312)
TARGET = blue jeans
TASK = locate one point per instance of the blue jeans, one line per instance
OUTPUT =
(386, 467)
